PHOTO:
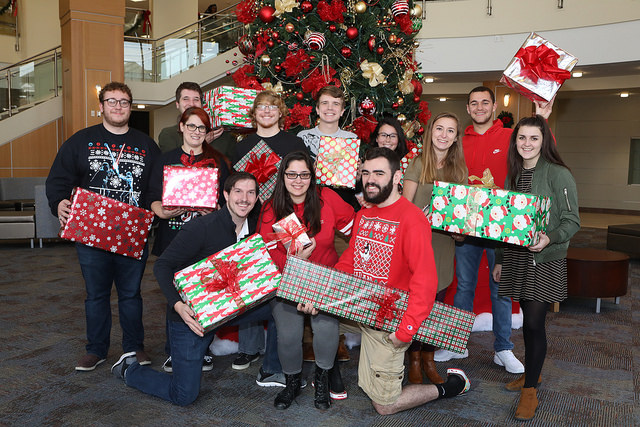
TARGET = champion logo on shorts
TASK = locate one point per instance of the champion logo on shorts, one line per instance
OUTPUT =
(410, 327)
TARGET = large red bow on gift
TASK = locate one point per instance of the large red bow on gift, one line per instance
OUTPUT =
(226, 278)
(292, 230)
(190, 160)
(541, 62)
(262, 167)
(388, 309)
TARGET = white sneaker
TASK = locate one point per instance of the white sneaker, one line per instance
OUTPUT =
(446, 355)
(507, 359)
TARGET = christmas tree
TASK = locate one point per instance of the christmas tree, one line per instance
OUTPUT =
(367, 49)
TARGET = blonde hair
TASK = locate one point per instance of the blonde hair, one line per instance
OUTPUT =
(271, 98)
(455, 168)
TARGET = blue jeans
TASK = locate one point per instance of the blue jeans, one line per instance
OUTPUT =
(468, 257)
(100, 270)
(187, 351)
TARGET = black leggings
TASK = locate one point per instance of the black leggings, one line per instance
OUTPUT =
(535, 339)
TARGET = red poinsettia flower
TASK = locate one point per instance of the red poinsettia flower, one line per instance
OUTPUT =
(316, 81)
(246, 12)
(333, 12)
(423, 112)
(243, 79)
(298, 115)
(364, 126)
(296, 62)
(405, 24)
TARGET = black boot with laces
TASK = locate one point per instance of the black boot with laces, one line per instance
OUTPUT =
(322, 399)
(291, 391)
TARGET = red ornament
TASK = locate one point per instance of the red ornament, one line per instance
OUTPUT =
(275, 35)
(271, 44)
(416, 98)
(371, 44)
(420, 131)
(367, 107)
(299, 96)
(395, 105)
(266, 14)
(352, 33)
(345, 51)
(277, 68)
(245, 45)
(315, 40)
(306, 6)
(400, 7)
(380, 50)
(333, 28)
(417, 87)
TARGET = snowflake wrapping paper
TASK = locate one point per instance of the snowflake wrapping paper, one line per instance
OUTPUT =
(263, 163)
(224, 285)
(188, 187)
(490, 213)
(108, 224)
(372, 304)
(337, 161)
(229, 107)
(538, 69)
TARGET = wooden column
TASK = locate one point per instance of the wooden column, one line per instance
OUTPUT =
(92, 55)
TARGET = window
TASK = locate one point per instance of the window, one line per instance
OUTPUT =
(634, 161)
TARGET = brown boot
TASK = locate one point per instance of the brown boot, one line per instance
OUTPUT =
(307, 352)
(528, 403)
(429, 368)
(517, 385)
(343, 353)
(415, 370)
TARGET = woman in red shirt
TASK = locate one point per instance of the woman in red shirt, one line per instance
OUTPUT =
(322, 212)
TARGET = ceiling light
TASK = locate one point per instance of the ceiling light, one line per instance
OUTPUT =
(577, 74)
(141, 106)
(428, 79)
(624, 94)
(443, 99)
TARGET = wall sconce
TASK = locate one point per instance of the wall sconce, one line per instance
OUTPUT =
(506, 99)
(624, 94)
(98, 89)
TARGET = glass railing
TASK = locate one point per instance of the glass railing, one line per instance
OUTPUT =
(160, 59)
(30, 82)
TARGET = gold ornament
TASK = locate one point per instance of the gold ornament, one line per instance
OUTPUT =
(416, 11)
(265, 59)
(401, 118)
(400, 101)
(361, 7)
(392, 38)
(285, 6)
(405, 86)
(408, 129)
(373, 72)
(345, 76)
(289, 28)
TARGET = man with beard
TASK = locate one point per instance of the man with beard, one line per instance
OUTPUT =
(116, 161)
(391, 245)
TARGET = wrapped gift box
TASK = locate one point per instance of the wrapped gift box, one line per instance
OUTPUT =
(263, 163)
(288, 230)
(229, 107)
(369, 303)
(491, 213)
(107, 224)
(538, 69)
(189, 187)
(337, 161)
(224, 285)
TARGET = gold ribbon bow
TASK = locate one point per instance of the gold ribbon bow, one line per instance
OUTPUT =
(486, 180)
(405, 86)
(285, 6)
(373, 72)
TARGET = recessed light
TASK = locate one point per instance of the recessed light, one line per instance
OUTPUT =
(577, 74)
(428, 79)
(624, 94)
(442, 99)
(141, 106)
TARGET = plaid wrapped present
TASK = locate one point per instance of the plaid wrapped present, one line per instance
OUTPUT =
(538, 69)
(224, 285)
(263, 163)
(192, 188)
(337, 161)
(375, 305)
(490, 213)
(289, 230)
(229, 107)
(108, 224)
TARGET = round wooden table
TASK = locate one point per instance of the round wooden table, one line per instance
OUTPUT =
(597, 273)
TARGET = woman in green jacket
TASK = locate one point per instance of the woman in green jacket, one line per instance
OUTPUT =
(537, 275)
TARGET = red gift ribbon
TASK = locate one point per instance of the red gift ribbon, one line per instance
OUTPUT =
(262, 167)
(541, 62)
(146, 21)
(292, 230)
(388, 309)
(190, 161)
(225, 279)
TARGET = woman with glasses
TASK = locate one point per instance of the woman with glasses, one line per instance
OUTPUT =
(389, 134)
(194, 125)
(322, 212)
(442, 159)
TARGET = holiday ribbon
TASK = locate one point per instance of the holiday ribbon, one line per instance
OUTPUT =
(288, 232)
(487, 180)
(262, 167)
(146, 21)
(405, 86)
(332, 161)
(541, 62)
(190, 161)
(373, 72)
(387, 308)
(224, 279)
(285, 6)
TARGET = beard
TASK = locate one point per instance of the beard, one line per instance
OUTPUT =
(383, 193)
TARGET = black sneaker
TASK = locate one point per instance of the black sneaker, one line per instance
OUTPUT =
(266, 379)
(119, 369)
(167, 365)
(207, 363)
(243, 361)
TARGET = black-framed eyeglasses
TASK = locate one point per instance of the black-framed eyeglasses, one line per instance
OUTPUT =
(388, 135)
(112, 102)
(294, 175)
(192, 128)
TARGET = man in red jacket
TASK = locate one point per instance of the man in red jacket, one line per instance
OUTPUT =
(391, 245)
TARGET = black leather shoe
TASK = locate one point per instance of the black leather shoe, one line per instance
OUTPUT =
(291, 391)
(321, 382)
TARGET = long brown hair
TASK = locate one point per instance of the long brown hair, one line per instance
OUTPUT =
(208, 152)
(282, 203)
(455, 168)
(548, 150)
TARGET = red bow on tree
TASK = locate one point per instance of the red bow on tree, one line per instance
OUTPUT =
(541, 62)
(387, 310)
(146, 20)
(262, 167)
(225, 279)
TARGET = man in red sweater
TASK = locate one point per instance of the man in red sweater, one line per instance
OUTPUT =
(486, 145)
(391, 245)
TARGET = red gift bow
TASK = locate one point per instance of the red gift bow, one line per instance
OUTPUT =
(541, 62)
(224, 279)
(292, 231)
(387, 310)
(262, 167)
(190, 161)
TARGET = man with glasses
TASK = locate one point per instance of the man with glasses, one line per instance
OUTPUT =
(189, 94)
(114, 160)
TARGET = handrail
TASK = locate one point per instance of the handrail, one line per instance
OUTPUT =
(30, 59)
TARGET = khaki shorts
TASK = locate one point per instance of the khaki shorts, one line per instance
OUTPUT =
(381, 366)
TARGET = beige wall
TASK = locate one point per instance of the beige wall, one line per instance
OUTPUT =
(170, 15)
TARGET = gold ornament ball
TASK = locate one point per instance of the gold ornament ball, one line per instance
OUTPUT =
(416, 11)
(401, 118)
(360, 7)
(400, 101)
(265, 59)
(392, 38)
(416, 44)
(289, 28)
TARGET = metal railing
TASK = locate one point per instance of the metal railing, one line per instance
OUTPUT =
(154, 60)
(30, 82)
